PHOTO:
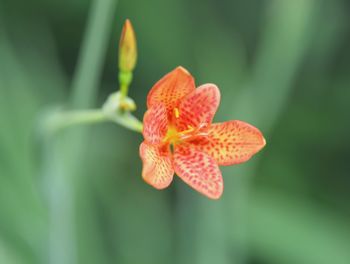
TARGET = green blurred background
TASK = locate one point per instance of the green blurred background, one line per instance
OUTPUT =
(78, 197)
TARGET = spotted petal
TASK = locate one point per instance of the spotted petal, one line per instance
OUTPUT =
(155, 124)
(199, 107)
(171, 89)
(198, 170)
(157, 167)
(231, 142)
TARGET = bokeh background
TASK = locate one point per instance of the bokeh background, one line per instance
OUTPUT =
(78, 197)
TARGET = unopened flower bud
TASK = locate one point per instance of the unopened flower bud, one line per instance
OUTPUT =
(127, 48)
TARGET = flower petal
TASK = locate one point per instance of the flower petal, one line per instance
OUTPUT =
(171, 88)
(157, 167)
(198, 170)
(232, 142)
(199, 107)
(155, 124)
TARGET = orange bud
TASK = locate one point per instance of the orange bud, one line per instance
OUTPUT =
(127, 48)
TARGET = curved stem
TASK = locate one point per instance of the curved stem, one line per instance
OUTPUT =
(124, 90)
(63, 119)
(128, 121)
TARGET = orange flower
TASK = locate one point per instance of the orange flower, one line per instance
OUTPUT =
(180, 137)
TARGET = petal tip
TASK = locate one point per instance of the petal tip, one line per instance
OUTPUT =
(264, 142)
(182, 70)
(216, 196)
(171, 88)
(155, 185)
(127, 22)
(215, 89)
(157, 169)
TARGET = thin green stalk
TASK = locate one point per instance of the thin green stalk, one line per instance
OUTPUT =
(125, 79)
(60, 120)
(285, 29)
(63, 170)
(127, 120)
(91, 57)
(124, 90)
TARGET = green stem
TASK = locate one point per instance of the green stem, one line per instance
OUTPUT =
(64, 119)
(127, 120)
(91, 57)
(66, 152)
(125, 79)
(61, 120)
(124, 90)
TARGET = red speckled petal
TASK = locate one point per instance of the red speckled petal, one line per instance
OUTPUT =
(171, 88)
(155, 124)
(199, 107)
(231, 142)
(198, 170)
(157, 167)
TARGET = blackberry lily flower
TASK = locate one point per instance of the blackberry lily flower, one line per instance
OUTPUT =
(180, 137)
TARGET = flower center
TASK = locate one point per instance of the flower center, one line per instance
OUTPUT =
(174, 136)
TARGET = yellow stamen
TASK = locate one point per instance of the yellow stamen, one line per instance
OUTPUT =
(171, 135)
(174, 137)
(190, 129)
(176, 112)
(186, 132)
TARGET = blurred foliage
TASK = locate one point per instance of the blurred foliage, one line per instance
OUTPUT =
(79, 197)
